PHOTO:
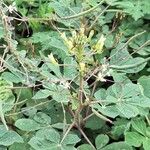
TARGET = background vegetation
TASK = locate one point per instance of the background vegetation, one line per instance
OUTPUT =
(74, 75)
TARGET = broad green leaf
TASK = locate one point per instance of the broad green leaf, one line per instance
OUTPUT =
(3, 148)
(101, 140)
(139, 125)
(1, 31)
(8, 76)
(146, 144)
(49, 134)
(42, 94)
(41, 144)
(100, 94)
(127, 110)
(120, 126)
(42, 118)
(128, 99)
(94, 123)
(120, 57)
(145, 82)
(69, 68)
(71, 139)
(85, 147)
(134, 139)
(117, 146)
(110, 111)
(7, 138)
(19, 146)
(27, 125)
(59, 93)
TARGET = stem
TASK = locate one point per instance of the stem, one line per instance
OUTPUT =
(80, 94)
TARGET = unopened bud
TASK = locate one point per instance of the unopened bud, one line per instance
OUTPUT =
(52, 59)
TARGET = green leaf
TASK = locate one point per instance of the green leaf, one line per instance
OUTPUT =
(19, 146)
(1, 31)
(70, 68)
(27, 125)
(49, 134)
(7, 138)
(117, 146)
(139, 125)
(59, 93)
(3, 148)
(94, 123)
(120, 126)
(71, 139)
(146, 144)
(8, 76)
(42, 118)
(145, 82)
(85, 147)
(101, 140)
(120, 57)
(41, 144)
(100, 94)
(41, 94)
(134, 139)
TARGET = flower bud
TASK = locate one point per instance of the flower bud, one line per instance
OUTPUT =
(99, 45)
(52, 59)
(82, 67)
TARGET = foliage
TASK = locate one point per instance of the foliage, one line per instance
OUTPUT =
(74, 75)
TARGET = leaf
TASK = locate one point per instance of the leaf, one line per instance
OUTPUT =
(100, 94)
(120, 57)
(146, 144)
(41, 94)
(117, 146)
(101, 140)
(120, 126)
(59, 93)
(19, 146)
(139, 125)
(94, 123)
(49, 134)
(41, 144)
(127, 110)
(27, 125)
(85, 147)
(69, 68)
(71, 139)
(131, 7)
(145, 82)
(7, 138)
(134, 139)
(127, 100)
(8, 76)
(49, 139)
(42, 118)
(1, 31)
